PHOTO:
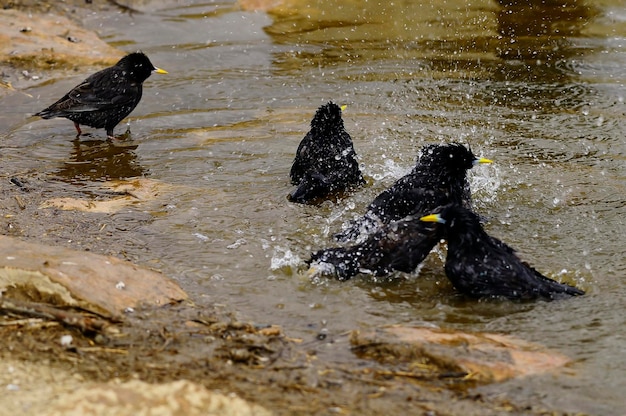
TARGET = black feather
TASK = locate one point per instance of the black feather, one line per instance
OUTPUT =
(106, 97)
(400, 246)
(479, 265)
(439, 178)
(325, 161)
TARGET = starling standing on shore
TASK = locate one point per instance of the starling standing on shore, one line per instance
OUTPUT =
(325, 161)
(439, 178)
(106, 97)
(479, 265)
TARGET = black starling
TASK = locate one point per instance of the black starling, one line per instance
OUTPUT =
(479, 265)
(106, 97)
(439, 178)
(399, 245)
(325, 161)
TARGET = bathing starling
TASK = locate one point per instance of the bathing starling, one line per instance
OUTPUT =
(325, 161)
(106, 97)
(479, 265)
(439, 178)
(399, 245)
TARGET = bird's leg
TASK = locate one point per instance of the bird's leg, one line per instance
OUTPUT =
(124, 136)
(78, 130)
(110, 135)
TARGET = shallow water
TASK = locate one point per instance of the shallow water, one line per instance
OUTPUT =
(540, 90)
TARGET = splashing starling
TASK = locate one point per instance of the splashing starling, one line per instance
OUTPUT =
(479, 265)
(399, 245)
(106, 97)
(325, 161)
(438, 178)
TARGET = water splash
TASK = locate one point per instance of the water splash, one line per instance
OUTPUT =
(201, 237)
(240, 242)
(283, 259)
(388, 169)
(485, 181)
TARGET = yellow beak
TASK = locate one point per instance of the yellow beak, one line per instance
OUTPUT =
(433, 218)
(343, 107)
(160, 71)
(483, 160)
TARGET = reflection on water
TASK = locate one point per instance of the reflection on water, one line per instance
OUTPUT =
(536, 86)
(503, 40)
(96, 160)
(542, 36)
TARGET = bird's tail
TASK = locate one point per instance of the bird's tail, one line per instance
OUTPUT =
(313, 185)
(47, 114)
(552, 289)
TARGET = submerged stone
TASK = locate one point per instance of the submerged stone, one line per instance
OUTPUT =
(128, 193)
(481, 357)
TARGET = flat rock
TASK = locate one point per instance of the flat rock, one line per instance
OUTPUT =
(64, 277)
(483, 357)
(129, 192)
(135, 397)
(45, 41)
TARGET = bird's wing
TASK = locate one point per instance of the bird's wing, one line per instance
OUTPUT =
(300, 162)
(400, 246)
(82, 99)
(104, 89)
(526, 280)
(493, 269)
(487, 267)
(393, 204)
(403, 200)
(415, 239)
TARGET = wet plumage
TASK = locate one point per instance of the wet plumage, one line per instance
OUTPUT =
(400, 246)
(439, 177)
(479, 265)
(325, 161)
(106, 97)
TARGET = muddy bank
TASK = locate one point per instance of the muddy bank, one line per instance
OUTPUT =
(212, 348)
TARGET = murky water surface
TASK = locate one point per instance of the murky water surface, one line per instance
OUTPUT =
(539, 89)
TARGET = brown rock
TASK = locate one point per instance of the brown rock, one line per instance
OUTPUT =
(130, 192)
(34, 41)
(101, 284)
(483, 357)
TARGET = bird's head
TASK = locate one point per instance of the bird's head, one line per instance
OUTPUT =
(138, 66)
(454, 157)
(452, 216)
(327, 117)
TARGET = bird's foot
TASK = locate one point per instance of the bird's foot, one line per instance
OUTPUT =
(124, 136)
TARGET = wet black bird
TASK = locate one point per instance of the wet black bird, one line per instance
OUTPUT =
(325, 161)
(439, 178)
(106, 97)
(400, 245)
(479, 265)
